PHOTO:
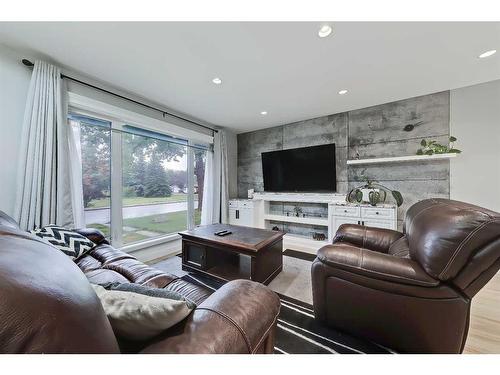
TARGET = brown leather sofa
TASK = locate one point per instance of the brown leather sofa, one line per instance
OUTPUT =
(48, 306)
(409, 291)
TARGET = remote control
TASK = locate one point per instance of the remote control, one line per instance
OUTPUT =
(222, 233)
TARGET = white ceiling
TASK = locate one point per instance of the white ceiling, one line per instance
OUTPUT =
(281, 68)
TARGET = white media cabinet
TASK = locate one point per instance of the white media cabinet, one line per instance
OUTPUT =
(256, 213)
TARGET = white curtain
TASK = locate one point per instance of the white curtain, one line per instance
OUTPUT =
(44, 182)
(75, 162)
(207, 204)
(215, 187)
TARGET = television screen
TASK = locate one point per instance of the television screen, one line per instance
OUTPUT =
(306, 169)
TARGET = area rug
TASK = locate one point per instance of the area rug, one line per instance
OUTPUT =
(298, 332)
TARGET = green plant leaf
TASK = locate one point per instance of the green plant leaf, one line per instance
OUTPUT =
(440, 149)
(359, 195)
(350, 196)
(452, 139)
(429, 152)
(374, 197)
(398, 197)
(423, 143)
(454, 151)
(384, 196)
(420, 152)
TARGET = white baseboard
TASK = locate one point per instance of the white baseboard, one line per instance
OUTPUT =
(299, 243)
(163, 250)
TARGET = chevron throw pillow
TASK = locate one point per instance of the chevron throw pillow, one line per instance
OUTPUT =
(71, 243)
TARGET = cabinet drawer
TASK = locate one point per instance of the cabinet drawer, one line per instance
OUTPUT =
(377, 213)
(246, 204)
(386, 224)
(246, 216)
(194, 255)
(339, 221)
(346, 211)
(233, 204)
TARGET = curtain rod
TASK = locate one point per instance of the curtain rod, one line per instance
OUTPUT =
(30, 65)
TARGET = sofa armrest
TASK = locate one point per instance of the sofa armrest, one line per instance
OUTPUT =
(375, 265)
(376, 239)
(240, 317)
(95, 235)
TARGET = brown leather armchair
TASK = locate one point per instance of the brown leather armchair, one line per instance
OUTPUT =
(409, 291)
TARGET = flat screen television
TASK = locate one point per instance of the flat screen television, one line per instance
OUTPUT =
(306, 169)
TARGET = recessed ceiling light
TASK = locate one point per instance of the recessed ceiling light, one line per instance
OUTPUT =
(342, 92)
(263, 113)
(217, 80)
(324, 31)
(487, 53)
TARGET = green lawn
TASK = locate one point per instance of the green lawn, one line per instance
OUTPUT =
(134, 201)
(129, 237)
(162, 223)
(103, 228)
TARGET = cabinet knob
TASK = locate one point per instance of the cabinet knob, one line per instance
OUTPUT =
(376, 213)
(345, 210)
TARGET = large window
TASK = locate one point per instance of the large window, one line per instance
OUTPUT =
(136, 183)
(95, 143)
(155, 187)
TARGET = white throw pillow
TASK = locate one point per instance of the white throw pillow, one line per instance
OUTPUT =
(137, 316)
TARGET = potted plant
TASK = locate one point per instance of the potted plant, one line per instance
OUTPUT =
(377, 193)
(432, 147)
(297, 211)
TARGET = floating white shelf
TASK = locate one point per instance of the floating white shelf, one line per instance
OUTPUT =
(398, 159)
(301, 220)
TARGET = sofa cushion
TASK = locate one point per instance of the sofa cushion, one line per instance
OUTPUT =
(71, 243)
(193, 292)
(140, 313)
(148, 291)
(102, 276)
(105, 264)
(117, 266)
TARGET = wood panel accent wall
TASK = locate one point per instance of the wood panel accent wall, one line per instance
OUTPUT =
(396, 129)
(392, 129)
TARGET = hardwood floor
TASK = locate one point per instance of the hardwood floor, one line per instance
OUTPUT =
(484, 331)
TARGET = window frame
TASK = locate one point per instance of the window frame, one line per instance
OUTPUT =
(119, 117)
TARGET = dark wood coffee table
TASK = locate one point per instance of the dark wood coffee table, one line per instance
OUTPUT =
(248, 253)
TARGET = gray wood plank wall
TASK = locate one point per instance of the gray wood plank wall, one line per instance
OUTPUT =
(392, 129)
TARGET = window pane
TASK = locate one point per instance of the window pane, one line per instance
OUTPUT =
(200, 160)
(154, 187)
(95, 143)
